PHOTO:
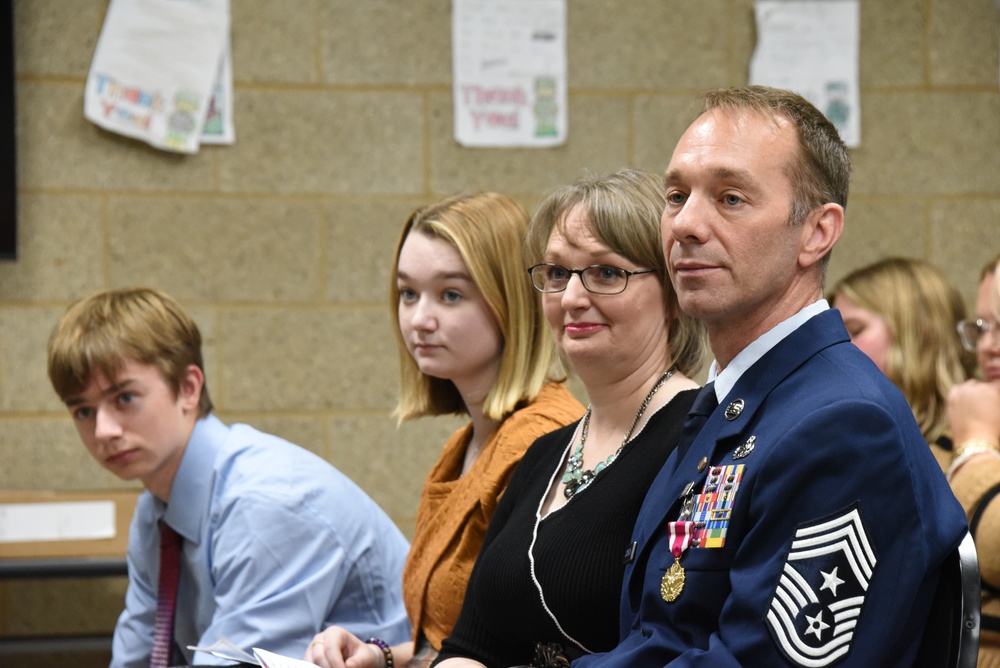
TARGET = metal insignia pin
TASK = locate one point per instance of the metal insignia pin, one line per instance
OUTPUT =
(746, 448)
(734, 409)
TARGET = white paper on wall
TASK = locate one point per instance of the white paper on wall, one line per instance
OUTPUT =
(811, 47)
(509, 72)
(155, 69)
(63, 520)
(218, 127)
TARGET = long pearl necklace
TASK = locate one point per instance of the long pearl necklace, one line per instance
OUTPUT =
(575, 478)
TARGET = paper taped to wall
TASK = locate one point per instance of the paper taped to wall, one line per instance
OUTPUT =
(155, 72)
(812, 48)
(78, 520)
(509, 67)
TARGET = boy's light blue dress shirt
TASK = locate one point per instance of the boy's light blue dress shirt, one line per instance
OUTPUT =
(278, 544)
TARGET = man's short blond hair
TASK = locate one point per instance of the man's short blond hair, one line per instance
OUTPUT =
(100, 333)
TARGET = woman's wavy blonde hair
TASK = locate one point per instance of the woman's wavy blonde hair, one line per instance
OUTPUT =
(920, 308)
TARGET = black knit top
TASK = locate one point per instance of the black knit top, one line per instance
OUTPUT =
(578, 552)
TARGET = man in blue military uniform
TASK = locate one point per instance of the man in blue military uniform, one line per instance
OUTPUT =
(806, 522)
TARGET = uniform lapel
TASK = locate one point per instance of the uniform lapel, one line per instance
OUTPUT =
(723, 431)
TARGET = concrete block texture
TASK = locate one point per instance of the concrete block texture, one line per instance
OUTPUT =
(893, 43)
(60, 248)
(362, 233)
(217, 248)
(647, 44)
(929, 143)
(325, 142)
(46, 453)
(878, 227)
(55, 37)
(305, 359)
(24, 331)
(965, 236)
(659, 121)
(385, 42)
(963, 42)
(368, 447)
(273, 42)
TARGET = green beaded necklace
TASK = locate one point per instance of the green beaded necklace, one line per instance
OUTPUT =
(575, 478)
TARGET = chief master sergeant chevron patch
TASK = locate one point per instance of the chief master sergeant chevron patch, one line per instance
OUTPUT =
(822, 589)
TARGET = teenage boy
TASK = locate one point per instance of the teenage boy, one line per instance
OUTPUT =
(274, 543)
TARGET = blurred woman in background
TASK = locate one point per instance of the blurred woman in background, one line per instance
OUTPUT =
(974, 411)
(903, 314)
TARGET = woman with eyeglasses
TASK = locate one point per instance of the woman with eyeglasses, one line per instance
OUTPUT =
(902, 314)
(974, 411)
(547, 584)
(472, 341)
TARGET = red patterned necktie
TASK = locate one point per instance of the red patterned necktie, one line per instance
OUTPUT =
(166, 596)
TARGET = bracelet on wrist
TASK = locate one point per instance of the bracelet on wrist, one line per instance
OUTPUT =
(384, 647)
(379, 657)
(980, 444)
(969, 449)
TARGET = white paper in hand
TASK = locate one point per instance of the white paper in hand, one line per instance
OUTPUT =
(224, 649)
(272, 660)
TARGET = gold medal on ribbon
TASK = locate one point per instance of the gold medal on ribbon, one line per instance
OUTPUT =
(672, 583)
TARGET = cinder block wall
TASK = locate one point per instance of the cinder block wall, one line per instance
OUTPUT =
(280, 244)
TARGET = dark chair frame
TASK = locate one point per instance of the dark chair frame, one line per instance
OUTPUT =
(951, 637)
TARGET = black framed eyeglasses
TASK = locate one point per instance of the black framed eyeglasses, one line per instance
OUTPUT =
(601, 279)
(970, 331)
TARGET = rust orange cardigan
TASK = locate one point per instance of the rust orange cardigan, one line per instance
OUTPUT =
(455, 511)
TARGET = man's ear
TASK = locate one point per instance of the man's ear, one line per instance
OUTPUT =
(189, 392)
(820, 232)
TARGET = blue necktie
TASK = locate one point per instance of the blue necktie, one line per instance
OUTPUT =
(704, 404)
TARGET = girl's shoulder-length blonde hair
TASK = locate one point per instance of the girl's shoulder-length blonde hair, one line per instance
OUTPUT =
(920, 308)
(487, 229)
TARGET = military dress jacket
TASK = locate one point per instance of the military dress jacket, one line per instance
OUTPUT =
(817, 520)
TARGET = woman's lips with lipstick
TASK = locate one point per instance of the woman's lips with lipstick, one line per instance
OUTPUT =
(582, 327)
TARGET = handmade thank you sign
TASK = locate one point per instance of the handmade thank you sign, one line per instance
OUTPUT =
(155, 70)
